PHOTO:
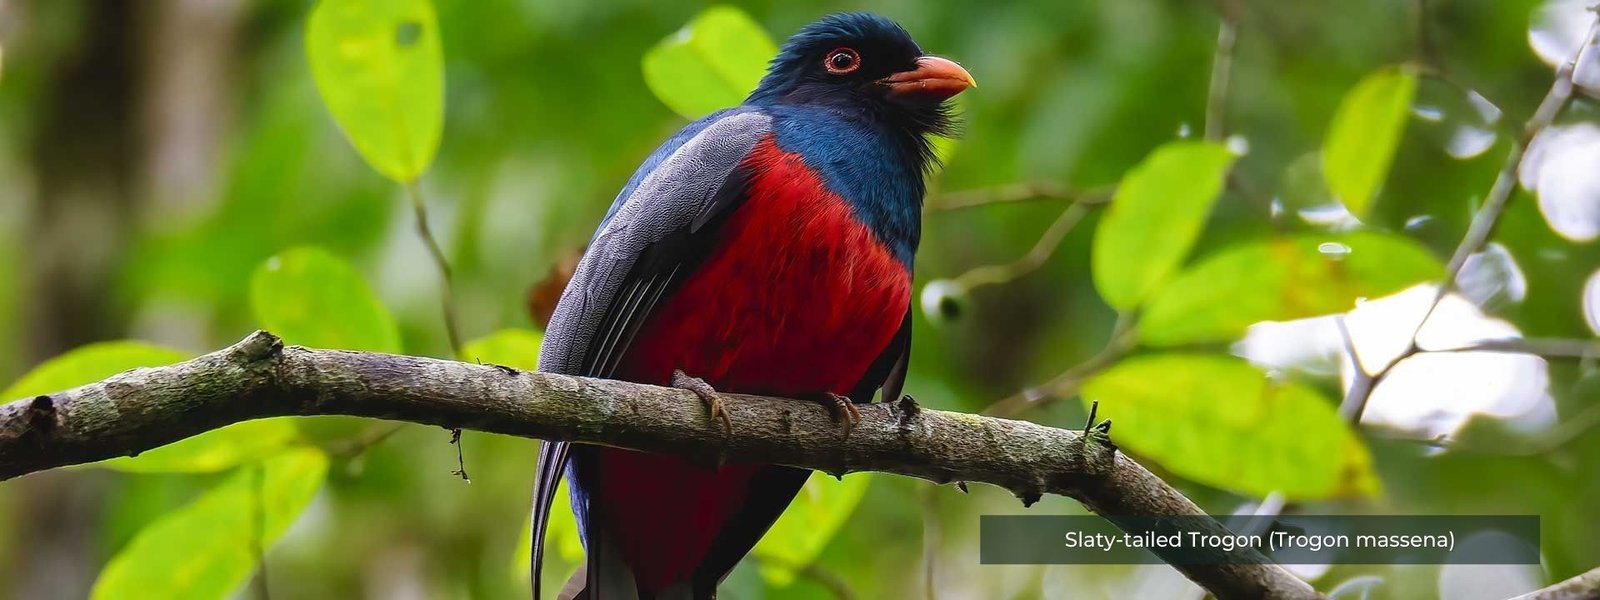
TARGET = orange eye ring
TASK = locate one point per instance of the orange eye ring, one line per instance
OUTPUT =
(841, 60)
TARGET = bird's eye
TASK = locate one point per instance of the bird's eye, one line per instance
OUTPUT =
(842, 60)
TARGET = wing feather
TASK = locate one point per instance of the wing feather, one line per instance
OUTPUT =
(654, 232)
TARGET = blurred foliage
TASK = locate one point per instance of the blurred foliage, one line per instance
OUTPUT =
(221, 449)
(515, 348)
(1216, 420)
(87, 364)
(381, 72)
(1362, 139)
(1340, 177)
(207, 548)
(710, 64)
(310, 297)
(1222, 294)
(1155, 218)
(821, 508)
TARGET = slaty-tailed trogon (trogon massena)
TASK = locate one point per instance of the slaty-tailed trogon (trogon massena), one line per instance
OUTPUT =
(765, 249)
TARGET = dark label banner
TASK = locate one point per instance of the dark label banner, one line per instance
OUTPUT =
(1289, 539)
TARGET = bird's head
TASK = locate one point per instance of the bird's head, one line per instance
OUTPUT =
(866, 63)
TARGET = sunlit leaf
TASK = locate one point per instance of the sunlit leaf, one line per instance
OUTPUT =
(516, 348)
(1221, 422)
(712, 63)
(380, 69)
(87, 364)
(1364, 134)
(207, 549)
(808, 524)
(213, 450)
(1281, 279)
(313, 298)
(1158, 212)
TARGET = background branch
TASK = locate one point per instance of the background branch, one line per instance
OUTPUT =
(1585, 586)
(452, 327)
(259, 377)
(1221, 72)
(1016, 192)
(1484, 221)
(1042, 250)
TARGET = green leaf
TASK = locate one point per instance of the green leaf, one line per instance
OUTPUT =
(1364, 134)
(1281, 279)
(87, 364)
(804, 528)
(214, 450)
(313, 298)
(712, 63)
(207, 549)
(380, 69)
(1220, 421)
(516, 348)
(1158, 212)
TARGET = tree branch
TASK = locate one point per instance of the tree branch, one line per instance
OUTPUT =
(259, 377)
(1544, 347)
(1585, 586)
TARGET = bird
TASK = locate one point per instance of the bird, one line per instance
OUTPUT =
(764, 249)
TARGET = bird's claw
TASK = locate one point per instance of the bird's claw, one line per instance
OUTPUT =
(707, 394)
(842, 408)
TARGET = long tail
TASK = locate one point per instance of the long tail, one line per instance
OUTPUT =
(547, 477)
(604, 574)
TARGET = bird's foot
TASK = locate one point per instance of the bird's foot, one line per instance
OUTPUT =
(841, 408)
(707, 394)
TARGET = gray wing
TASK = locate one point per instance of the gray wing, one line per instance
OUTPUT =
(641, 249)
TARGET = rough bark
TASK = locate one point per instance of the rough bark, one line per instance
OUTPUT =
(259, 377)
(1584, 586)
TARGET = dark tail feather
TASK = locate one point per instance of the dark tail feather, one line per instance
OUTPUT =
(576, 587)
(604, 576)
(547, 477)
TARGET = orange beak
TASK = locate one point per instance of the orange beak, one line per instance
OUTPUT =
(934, 77)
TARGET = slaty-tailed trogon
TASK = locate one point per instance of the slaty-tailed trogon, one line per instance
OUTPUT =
(764, 249)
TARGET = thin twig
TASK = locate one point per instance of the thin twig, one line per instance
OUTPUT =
(977, 277)
(1360, 381)
(1545, 347)
(452, 328)
(1016, 192)
(446, 276)
(836, 585)
(1483, 223)
(931, 542)
(461, 458)
(1437, 73)
(1423, 50)
(1221, 73)
(1564, 432)
(259, 532)
(352, 448)
(1067, 383)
